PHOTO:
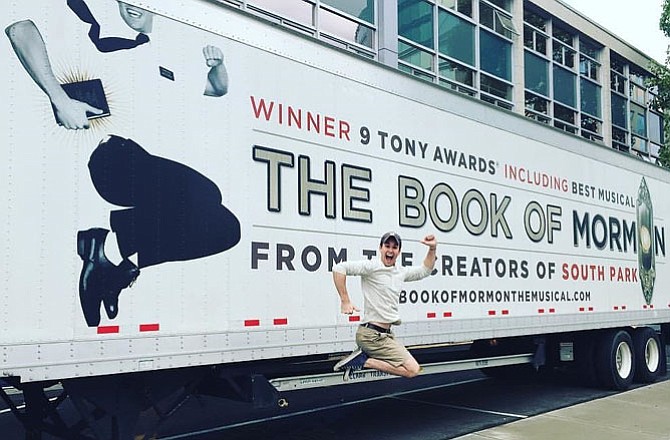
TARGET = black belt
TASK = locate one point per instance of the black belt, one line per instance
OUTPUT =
(376, 328)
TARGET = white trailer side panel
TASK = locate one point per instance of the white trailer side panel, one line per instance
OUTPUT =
(316, 153)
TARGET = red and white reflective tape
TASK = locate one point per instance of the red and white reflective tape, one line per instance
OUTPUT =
(115, 329)
(108, 329)
(647, 306)
(154, 327)
(503, 312)
(257, 322)
(617, 308)
(585, 309)
(542, 311)
(432, 315)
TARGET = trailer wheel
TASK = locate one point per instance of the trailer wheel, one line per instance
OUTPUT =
(615, 361)
(648, 353)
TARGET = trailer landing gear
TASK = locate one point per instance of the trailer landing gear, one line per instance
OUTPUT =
(39, 413)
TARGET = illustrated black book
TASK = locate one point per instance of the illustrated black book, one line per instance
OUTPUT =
(89, 91)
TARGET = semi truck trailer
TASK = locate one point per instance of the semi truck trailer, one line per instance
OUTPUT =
(179, 179)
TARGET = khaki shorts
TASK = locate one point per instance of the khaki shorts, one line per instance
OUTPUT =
(382, 346)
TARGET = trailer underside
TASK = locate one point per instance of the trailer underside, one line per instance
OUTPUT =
(109, 407)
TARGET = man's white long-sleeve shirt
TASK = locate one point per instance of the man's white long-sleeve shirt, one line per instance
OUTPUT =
(381, 286)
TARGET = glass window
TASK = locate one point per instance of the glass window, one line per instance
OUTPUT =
(637, 76)
(486, 17)
(495, 55)
(563, 36)
(655, 128)
(496, 20)
(619, 111)
(534, 40)
(495, 87)
(536, 74)
(590, 98)
(565, 90)
(415, 21)
(637, 93)
(462, 6)
(653, 100)
(418, 73)
(638, 120)
(564, 114)
(619, 136)
(537, 103)
(592, 125)
(639, 143)
(502, 4)
(504, 25)
(618, 83)
(364, 36)
(457, 72)
(363, 9)
(297, 10)
(589, 49)
(535, 20)
(457, 37)
(453, 86)
(588, 67)
(617, 64)
(563, 54)
(413, 55)
(344, 28)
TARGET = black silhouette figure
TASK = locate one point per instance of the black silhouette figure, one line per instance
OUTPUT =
(170, 212)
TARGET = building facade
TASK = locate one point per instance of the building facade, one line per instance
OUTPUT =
(539, 58)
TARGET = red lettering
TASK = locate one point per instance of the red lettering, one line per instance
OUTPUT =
(329, 126)
(300, 118)
(344, 130)
(267, 111)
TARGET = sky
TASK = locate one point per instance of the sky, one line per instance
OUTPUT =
(635, 22)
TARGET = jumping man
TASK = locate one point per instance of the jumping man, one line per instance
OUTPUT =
(381, 283)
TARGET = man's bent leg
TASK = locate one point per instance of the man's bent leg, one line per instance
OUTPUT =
(410, 368)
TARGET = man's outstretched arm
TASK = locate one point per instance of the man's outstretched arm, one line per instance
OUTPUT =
(31, 51)
(346, 306)
(431, 242)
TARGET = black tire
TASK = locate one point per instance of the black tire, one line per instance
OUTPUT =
(648, 354)
(615, 360)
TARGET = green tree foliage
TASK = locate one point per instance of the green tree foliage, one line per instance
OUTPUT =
(661, 80)
(664, 22)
